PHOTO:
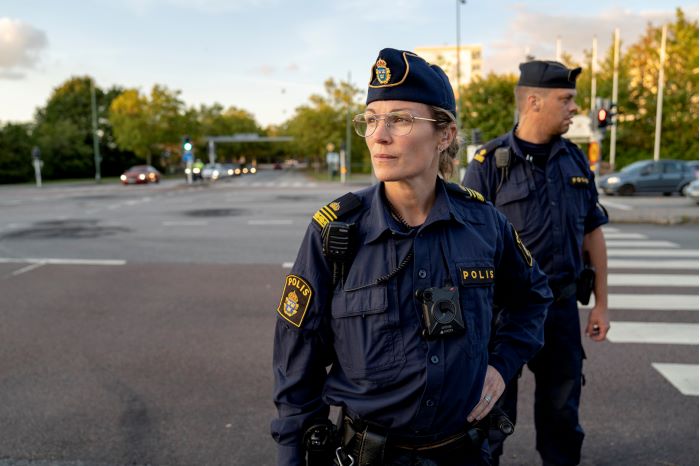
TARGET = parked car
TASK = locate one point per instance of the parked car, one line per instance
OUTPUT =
(694, 164)
(140, 174)
(649, 176)
(213, 171)
(691, 191)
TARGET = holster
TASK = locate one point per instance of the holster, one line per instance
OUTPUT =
(585, 285)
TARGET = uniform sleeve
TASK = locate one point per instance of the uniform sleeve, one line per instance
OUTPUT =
(523, 296)
(480, 176)
(301, 350)
(596, 215)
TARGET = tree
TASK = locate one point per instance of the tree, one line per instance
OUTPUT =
(149, 125)
(323, 121)
(215, 121)
(15, 157)
(489, 105)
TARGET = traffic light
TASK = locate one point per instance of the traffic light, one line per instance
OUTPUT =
(603, 117)
(186, 144)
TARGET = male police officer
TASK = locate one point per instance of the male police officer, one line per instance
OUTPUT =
(543, 184)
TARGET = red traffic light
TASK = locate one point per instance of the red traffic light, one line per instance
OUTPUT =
(602, 115)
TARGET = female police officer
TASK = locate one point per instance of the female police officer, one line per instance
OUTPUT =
(387, 310)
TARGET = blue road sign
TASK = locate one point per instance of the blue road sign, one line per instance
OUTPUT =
(187, 157)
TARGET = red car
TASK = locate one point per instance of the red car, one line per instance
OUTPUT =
(140, 174)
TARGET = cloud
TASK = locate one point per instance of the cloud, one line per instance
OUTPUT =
(20, 47)
(536, 33)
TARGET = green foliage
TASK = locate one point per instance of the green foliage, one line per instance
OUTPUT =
(215, 121)
(15, 160)
(324, 121)
(150, 126)
(489, 105)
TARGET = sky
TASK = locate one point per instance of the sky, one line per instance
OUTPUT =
(269, 56)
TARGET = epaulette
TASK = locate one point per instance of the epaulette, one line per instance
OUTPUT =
(467, 192)
(336, 210)
(487, 149)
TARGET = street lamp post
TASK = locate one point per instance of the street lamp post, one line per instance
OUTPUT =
(459, 65)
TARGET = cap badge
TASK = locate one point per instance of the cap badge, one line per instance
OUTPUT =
(382, 72)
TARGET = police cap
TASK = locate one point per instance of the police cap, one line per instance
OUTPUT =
(402, 75)
(550, 74)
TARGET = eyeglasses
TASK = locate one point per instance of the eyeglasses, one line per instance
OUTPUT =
(397, 123)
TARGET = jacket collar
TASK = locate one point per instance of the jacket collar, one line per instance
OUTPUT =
(378, 214)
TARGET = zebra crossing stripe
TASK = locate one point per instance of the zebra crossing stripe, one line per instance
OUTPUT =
(653, 333)
(679, 264)
(640, 244)
(609, 229)
(651, 302)
(609, 236)
(689, 253)
(634, 279)
(682, 376)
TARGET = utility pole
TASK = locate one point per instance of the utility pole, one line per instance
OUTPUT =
(558, 48)
(660, 95)
(613, 130)
(346, 157)
(95, 138)
(594, 69)
(459, 65)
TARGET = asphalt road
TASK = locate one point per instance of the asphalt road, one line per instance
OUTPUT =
(146, 339)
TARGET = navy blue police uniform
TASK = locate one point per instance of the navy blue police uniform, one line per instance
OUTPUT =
(357, 339)
(552, 205)
(381, 369)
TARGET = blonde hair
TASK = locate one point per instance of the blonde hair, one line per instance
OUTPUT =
(448, 155)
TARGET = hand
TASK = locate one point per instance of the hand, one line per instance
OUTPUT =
(492, 391)
(598, 323)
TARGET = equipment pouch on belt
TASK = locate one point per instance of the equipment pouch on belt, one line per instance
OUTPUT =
(321, 442)
(585, 282)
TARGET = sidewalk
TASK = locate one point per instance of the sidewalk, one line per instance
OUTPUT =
(646, 209)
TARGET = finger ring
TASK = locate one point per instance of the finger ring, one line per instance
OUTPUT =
(487, 398)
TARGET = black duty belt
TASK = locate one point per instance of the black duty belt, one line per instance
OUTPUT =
(368, 443)
(562, 290)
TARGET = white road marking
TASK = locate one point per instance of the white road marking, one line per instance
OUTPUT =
(287, 265)
(656, 264)
(53, 261)
(682, 376)
(640, 244)
(608, 229)
(609, 236)
(632, 279)
(654, 333)
(651, 302)
(28, 268)
(689, 253)
(615, 205)
(270, 222)
(185, 223)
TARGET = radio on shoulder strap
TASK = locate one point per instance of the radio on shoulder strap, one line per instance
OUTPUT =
(339, 247)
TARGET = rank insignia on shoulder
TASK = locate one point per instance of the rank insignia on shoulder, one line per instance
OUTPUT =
(523, 249)
(578, 181)
(336, 209)
(295, 301)
(480, 156)
(470, 193)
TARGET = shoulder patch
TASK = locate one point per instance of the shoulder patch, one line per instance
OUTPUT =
(336, 210)
(523, 249)
(480, 156)
(295, 301)
(467, 192)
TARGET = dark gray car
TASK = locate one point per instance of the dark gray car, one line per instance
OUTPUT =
(648, 176)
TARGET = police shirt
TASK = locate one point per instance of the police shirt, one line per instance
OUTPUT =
(552, 208)
(359, 345)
